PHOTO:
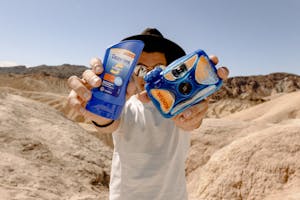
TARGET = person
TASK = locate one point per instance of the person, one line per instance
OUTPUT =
(149, 151)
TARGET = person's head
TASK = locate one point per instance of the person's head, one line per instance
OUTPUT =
(157, 51)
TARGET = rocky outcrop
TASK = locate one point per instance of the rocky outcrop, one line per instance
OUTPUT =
(251, 167)
(236, 94)
(239, 93)
(59, 71)
(251, 154)
(46, 156)
(256, 88)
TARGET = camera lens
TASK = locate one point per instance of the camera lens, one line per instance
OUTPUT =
(185, 88)
(178, 72)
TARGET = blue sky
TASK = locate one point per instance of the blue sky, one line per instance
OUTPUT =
(249, 37)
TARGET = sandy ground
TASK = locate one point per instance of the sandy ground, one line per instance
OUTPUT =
(252, 154)
(49, 152)
(46, 156)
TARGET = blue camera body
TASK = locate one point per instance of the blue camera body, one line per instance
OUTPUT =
(183, 83)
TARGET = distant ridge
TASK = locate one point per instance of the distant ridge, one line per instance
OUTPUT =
(253, 88)
(258, 87)
(59, 71)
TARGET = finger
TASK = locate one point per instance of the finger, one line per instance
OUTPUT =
(195, 110)
(189, 125)
(192, 123)
(223, 73)
(214, 59)
(91, 78)
(96, 65)
(195, 122)
(79, 106)
(73, 101)
(79, 88)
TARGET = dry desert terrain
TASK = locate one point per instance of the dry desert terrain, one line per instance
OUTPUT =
(248, 146)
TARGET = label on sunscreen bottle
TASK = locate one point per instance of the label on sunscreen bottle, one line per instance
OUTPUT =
(119, 63)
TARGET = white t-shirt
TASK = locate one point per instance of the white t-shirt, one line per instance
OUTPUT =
(149, 156)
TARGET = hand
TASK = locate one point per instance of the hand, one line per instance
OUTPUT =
(81, 91)
(192, 117)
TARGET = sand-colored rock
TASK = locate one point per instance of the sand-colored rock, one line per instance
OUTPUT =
(35, 83)
(257, 87)
(282, 108)
(244, 157)
(46, 156)
(247, 148)
(251, 167)
(228, 106)
(57, 101)
(292, 193)
(213, 135)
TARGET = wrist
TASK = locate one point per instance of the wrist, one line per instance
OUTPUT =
(103, 125)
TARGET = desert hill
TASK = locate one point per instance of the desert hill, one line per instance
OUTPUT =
(46, 156)
(285, 107)
(248, 87)
(243, 91)
(239, 93)
(242, 157)
(59, 71)
(247, 147)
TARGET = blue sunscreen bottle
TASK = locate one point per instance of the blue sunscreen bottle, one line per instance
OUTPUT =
(119, 63)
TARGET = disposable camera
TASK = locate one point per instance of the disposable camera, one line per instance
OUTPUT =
(182, 84)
